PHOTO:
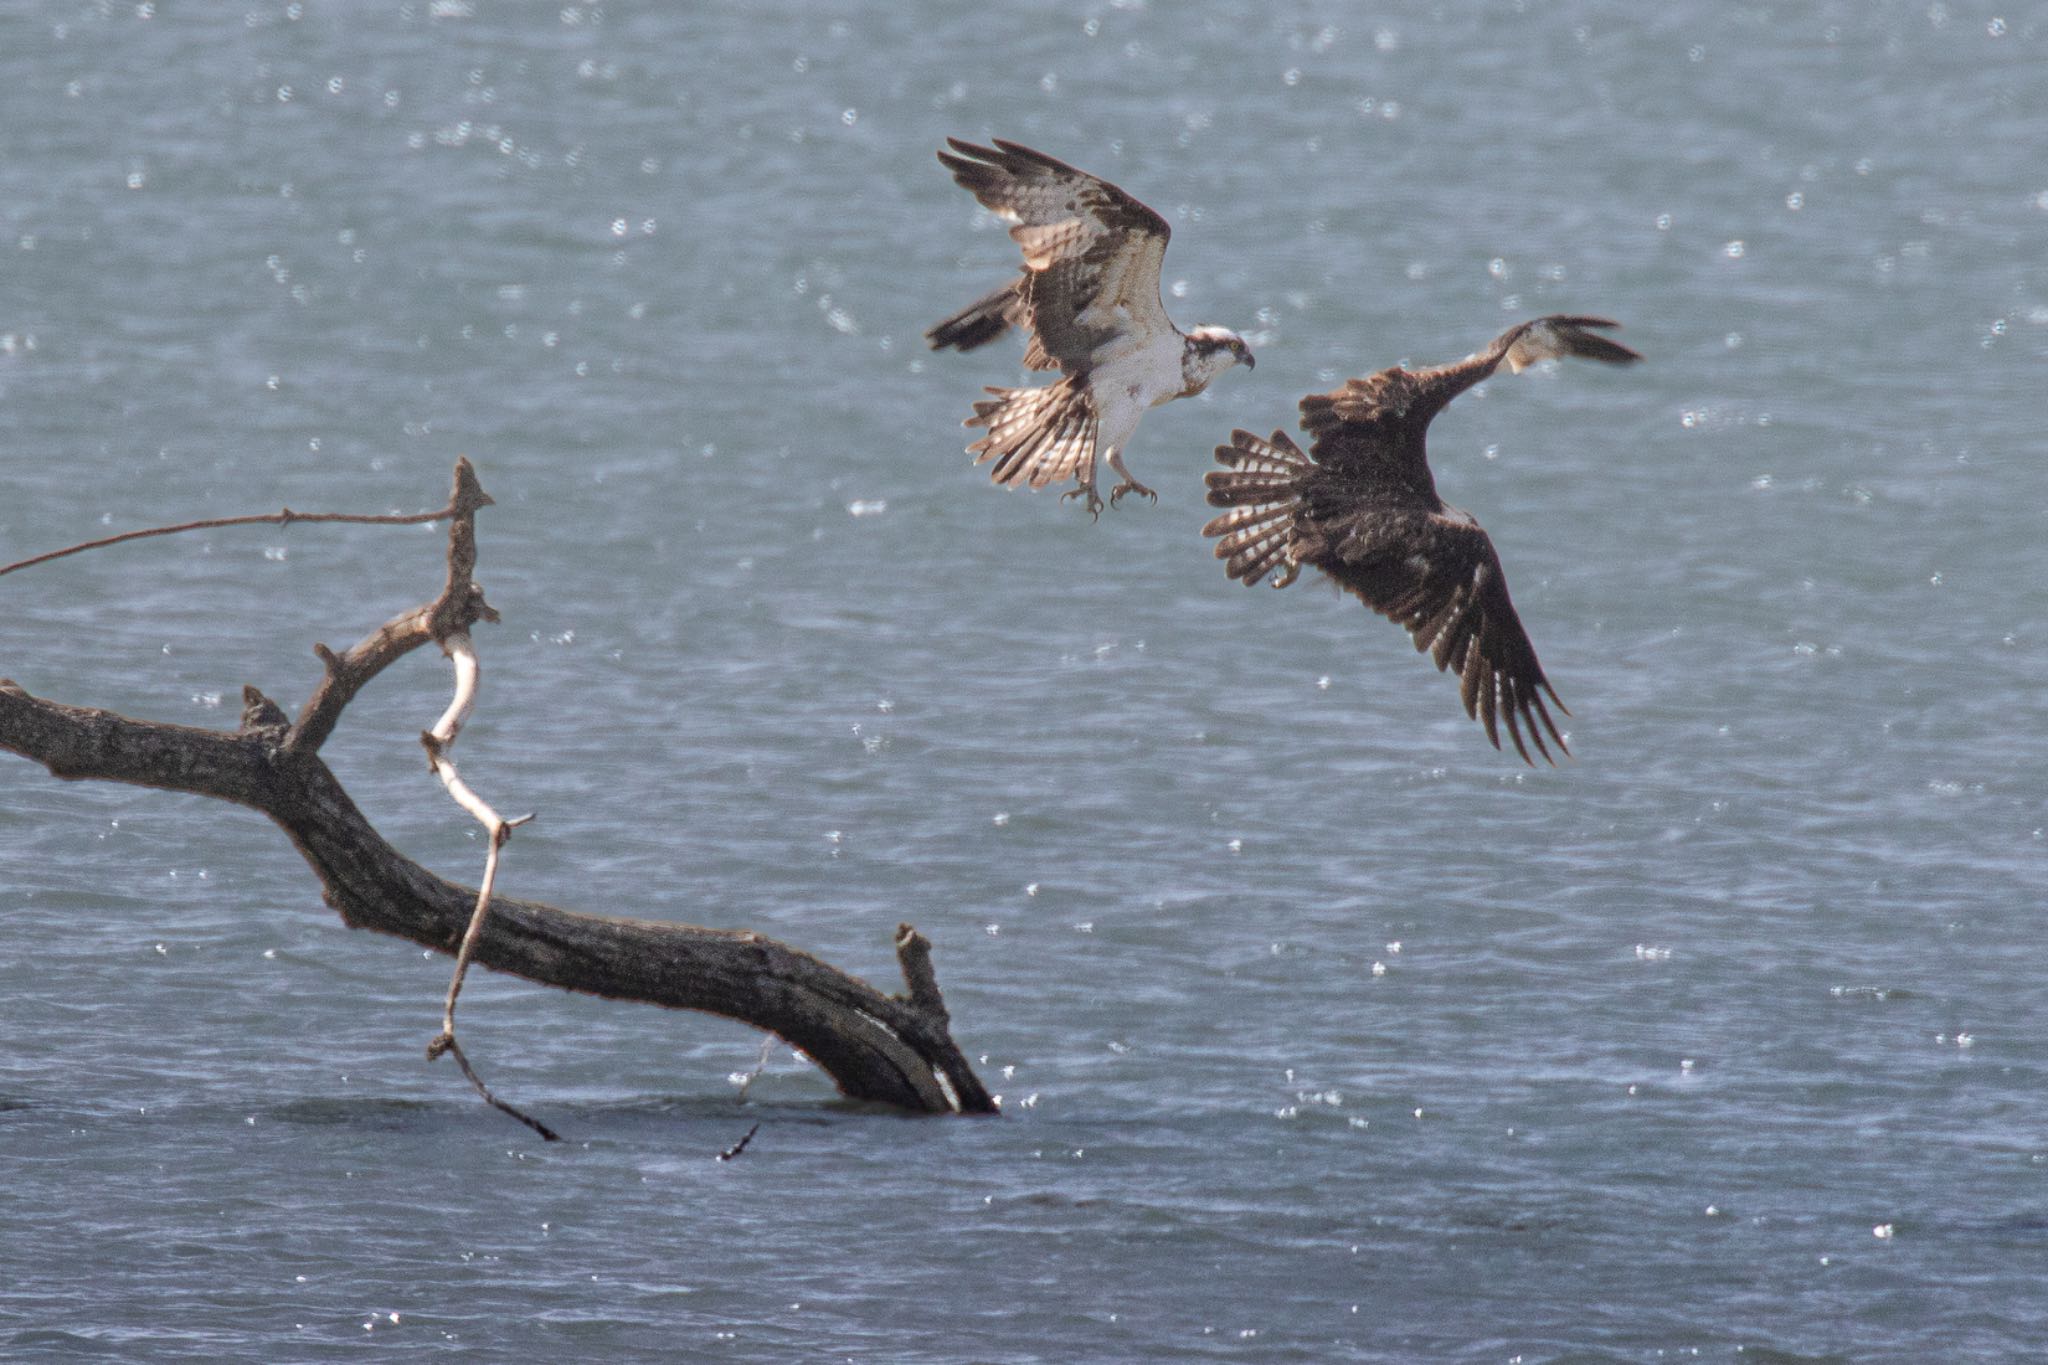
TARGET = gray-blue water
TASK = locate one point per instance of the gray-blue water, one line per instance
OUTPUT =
(1324, 1032)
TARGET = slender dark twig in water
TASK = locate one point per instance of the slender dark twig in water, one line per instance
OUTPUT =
(454, 1049)
(729, 1153)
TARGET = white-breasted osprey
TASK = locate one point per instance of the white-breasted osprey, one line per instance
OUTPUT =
(1362, 507)
(1089, 300)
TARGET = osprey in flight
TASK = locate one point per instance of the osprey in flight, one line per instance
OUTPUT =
(1089, 300)
(1362, 507)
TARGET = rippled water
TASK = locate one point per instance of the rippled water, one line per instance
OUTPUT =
(1324, 1032)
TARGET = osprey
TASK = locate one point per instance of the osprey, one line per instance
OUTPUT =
(1362, 507)
(1089, 299)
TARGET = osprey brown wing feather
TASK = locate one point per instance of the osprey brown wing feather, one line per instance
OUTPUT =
(1092, 253)
(1438, 576)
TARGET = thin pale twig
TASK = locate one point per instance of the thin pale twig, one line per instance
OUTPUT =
(468, 672)
(499, 833)
(760, 1065)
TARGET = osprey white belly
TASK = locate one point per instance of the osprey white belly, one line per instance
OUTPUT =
(1125, 389)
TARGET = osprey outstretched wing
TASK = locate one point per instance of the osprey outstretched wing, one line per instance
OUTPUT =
(1362, 506)
(1089, 299)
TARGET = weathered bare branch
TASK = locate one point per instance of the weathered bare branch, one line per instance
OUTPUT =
(438, 741)
(284, 517)
(895, 1049)
(446, 1043)
(460, 606)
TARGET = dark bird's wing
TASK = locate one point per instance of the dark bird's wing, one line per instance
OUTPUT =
(1092, 253)
(987, 318)
(1437, 574)
(1376, 428)
(980, 322)
(1361, 505)
(1560, 336)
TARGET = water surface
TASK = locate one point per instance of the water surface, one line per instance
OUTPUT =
(1324, 1032)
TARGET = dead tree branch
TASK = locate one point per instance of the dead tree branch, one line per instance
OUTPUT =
(894, 1049)
(438, 741)
(284, 517)
(446, 1043)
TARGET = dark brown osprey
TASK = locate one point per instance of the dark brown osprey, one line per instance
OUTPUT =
(1362, 507)
(1089, 299)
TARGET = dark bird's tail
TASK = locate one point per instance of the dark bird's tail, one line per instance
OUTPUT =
(1037, 436)
(979, 322)
(1259, 482)
(1561, 335)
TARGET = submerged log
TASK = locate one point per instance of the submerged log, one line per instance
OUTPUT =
(894, 1049)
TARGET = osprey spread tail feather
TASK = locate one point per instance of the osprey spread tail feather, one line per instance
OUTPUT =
(1258, 482)
(1037, 436)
